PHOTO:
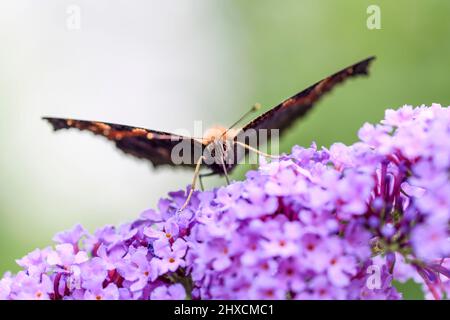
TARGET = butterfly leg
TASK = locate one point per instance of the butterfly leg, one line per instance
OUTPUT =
(200, 181)
(202, 175)
(246, 146)
(224, 167)
(194, 182)
(227, 178)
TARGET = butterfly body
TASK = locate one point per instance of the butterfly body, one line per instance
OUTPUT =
(218, 142)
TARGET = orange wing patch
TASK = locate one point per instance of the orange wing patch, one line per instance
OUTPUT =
(152, 145)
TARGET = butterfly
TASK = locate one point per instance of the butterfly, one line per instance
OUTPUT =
(217, 149)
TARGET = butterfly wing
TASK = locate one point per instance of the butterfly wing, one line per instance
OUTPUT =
(155, 146)
(287, 112)
(282, 116)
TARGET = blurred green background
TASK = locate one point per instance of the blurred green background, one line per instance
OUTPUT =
(163, 65)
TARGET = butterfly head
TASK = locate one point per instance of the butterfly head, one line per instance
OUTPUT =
(217, 133)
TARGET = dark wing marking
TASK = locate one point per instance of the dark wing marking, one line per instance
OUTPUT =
(155, 146)
(286, 113)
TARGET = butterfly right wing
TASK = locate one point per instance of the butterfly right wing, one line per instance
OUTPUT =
(287, 112)
(151, 145)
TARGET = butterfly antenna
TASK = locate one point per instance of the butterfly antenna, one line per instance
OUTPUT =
(254, 108)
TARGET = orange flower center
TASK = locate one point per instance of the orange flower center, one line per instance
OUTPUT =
(270, 293)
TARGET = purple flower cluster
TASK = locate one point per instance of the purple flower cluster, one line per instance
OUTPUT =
(337, 223)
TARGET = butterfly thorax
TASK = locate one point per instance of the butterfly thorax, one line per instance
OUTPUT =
(218, 141)
(219, 133)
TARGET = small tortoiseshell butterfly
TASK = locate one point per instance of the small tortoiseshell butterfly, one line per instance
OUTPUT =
(157, 146)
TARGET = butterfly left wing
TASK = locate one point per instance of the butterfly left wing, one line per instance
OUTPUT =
(155, 146)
